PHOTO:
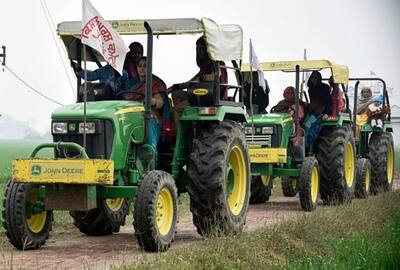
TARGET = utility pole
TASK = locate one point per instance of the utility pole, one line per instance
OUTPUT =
(3, 55)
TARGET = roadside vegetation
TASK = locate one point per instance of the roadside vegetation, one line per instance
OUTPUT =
(362, 235)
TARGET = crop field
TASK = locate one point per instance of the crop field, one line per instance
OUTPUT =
(11, 149)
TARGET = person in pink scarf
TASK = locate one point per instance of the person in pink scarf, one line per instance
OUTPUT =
(132, 57)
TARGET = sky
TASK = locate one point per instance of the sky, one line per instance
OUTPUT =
(362, 34)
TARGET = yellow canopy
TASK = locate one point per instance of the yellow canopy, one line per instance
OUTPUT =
(136, 27)
(340, 73)
(224, 42)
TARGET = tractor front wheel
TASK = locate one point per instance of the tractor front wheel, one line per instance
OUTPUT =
(309, 184)
(261, 188)
(363, 179)
(155, 212)
(289, 186)
(106, 219)
(219, 178)
(26, 227)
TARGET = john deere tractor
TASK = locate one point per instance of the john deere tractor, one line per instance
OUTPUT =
(277, 147)
(208, 158)
(375, 150)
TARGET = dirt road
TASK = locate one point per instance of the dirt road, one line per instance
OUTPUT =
(83, 252)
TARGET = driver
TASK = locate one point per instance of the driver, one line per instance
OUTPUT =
(106, 75)
(207, 73)
(288, 103)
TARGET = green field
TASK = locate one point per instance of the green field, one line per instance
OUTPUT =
(12, 149)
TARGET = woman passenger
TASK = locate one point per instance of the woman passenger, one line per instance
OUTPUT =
(138, 86)
(365, 100)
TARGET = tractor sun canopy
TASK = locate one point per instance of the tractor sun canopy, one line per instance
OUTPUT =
(224, 42)
(340, 73)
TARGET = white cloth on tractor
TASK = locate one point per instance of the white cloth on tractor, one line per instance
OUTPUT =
(224, 42)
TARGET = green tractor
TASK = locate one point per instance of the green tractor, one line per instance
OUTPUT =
(208, 158)
(375, 149)
(326, 168)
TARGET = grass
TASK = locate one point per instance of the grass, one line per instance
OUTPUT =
(346, 237)
(362, 251)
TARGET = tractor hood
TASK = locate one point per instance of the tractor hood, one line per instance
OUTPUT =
(98, 110)
(270, 119)
(126, 117)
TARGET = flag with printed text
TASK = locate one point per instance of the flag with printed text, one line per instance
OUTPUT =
(101, 36)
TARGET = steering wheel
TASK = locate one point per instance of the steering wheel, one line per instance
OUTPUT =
(289, 110)
(120, 93)
(273, 109)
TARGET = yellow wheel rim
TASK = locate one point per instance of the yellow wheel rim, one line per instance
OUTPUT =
(35, 222)
(164, 211)
(349, 164)
(265, 179)
(390, 164)
(314, 184)
(115, 204)
(367, 179)
(294, 184)
(238, 168)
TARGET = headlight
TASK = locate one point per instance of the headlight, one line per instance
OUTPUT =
(59, 128)
(90, 128)
(249, 130)
(267, 130)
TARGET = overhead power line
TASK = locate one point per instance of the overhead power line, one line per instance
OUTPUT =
(31, 88)
(51, 25)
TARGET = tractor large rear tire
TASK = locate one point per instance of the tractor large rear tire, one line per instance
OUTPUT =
(107, 218)
(290, 186)
(219, 179)
(156, 211)
(24, 230)
(261, 188)
(363, 179)
(381, 156)
(336, 157)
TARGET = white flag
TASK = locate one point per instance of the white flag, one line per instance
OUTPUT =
(99, 34)
(256, 65)
(306, 74)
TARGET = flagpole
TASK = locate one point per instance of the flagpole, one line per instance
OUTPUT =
(251, 93)
(84, 96)
(302, 80)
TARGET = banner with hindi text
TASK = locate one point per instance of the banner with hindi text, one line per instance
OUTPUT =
(101, 36)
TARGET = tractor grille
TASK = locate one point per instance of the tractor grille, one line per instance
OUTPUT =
(98, 145)
(259, 139)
